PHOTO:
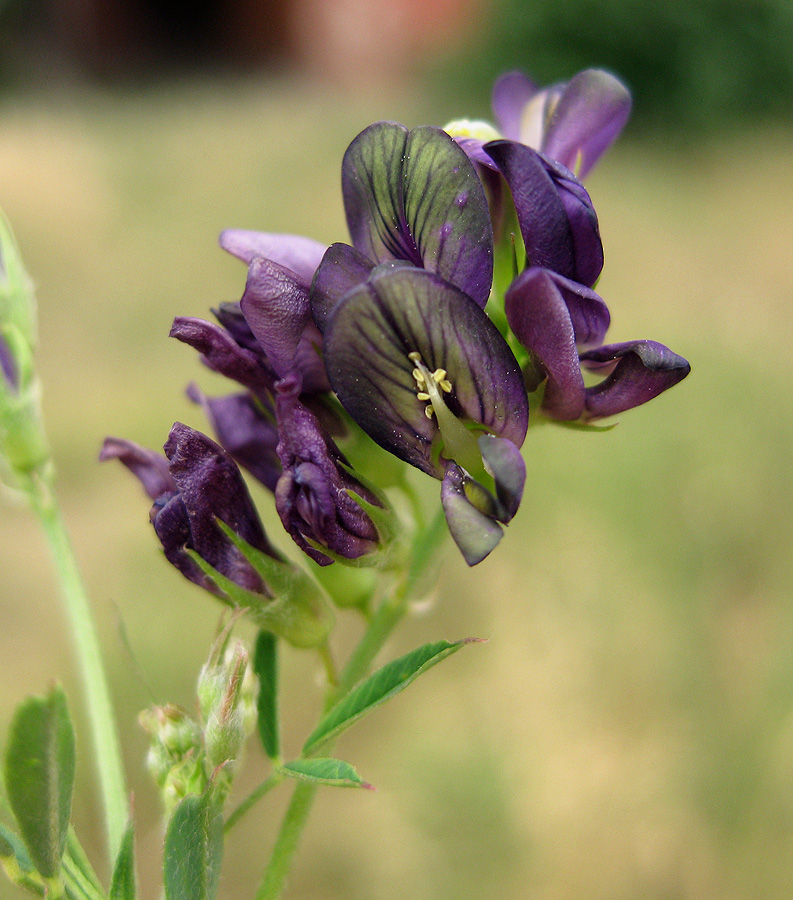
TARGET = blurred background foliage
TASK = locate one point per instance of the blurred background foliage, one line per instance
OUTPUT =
(627, 731)
(691, 64)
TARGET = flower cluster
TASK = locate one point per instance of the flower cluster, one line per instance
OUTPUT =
(466, 291)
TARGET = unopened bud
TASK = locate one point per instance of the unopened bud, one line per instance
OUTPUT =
(23, 445)
(175, 757)
(227, 700)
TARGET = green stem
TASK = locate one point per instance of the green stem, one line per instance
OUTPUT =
(287, 841)
(95, 686)
(379, 627)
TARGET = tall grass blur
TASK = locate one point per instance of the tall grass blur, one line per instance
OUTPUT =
(627, 730)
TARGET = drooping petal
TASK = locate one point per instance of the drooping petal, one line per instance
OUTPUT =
(276, 307)
(555, 214)
(414, 195)
(210, 486)
(245, 430)
(511, 94)
(639, 371)
(149, 467)
(472, 512)
(475, 532)
(300, 254)
(221, 353)
(342, 268)
(311, 496)
(590, 114)
(508, 468)
(406, 311)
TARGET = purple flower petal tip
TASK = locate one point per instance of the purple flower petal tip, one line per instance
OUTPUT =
(300, 254)
(637, 372)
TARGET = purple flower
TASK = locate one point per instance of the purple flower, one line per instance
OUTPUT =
(408, 349)
(572, 123)
(245, 427)
(559, 321)
(411, 198)
(555, 213)
(423, 370)
(192, 486)
(316, 493)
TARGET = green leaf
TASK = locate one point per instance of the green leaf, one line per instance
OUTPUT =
(322, 770)
(377, 688)
(39, 773)
(265, 665)
(122, 885)
(193, 849)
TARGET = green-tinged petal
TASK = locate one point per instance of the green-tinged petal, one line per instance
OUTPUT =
(370, 346)
(415, 196)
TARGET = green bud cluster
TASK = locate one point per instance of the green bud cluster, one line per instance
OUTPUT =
(189, 754)
(175, 758)
(23, 445)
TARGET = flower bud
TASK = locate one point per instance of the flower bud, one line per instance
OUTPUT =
(175, 757)
(227, 700)
(23, 444)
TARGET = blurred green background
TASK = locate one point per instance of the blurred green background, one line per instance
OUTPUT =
(627, 731)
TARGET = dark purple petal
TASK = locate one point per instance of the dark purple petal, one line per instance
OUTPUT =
(404, 311)
(511, 94)
(539, 317)
(640, 370)
(222, 353)
(211, 487)
(231, 318)
(300, 254)
(172, 526)
(474, 532)
(583, 222)
(149, 467)
(246, 430)
(311, 496)
(588, 118)
(556, 216)
(342, 268)
(415, 196)
(276, 307)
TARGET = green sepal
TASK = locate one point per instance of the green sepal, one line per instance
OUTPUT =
(193, 849)
(382, 515)
(39, 775)
(380, 686)
(265, 665)
(122, 884)
(324, 770)
(302, 616)
(348, 588)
